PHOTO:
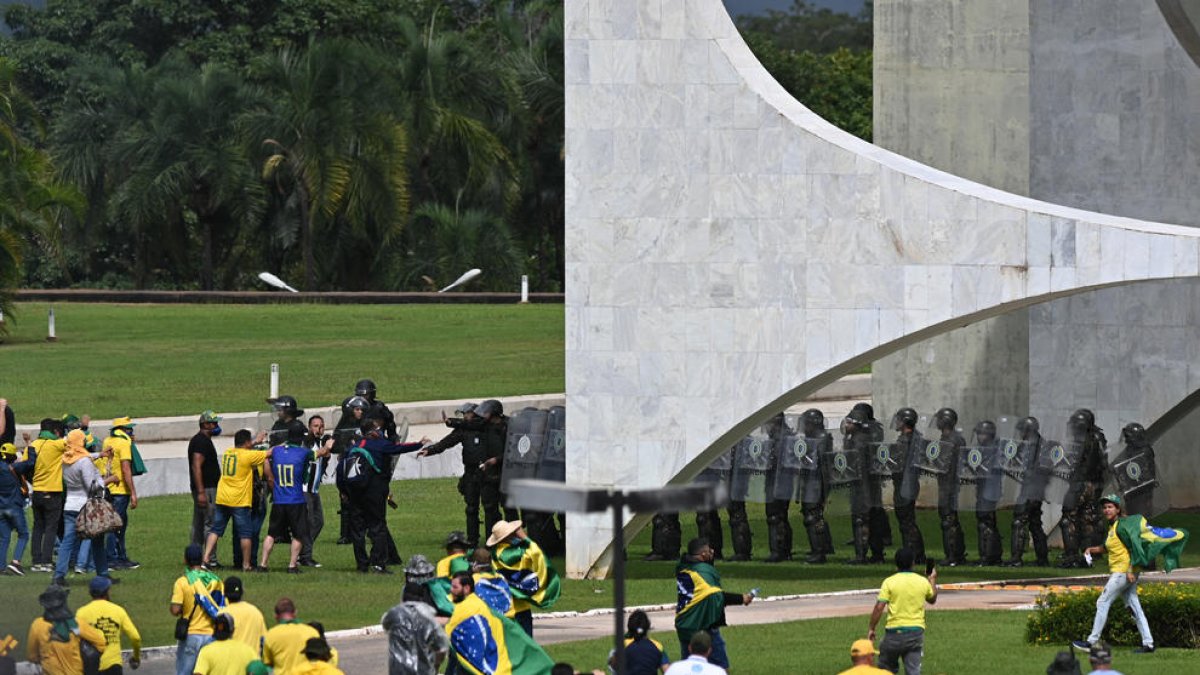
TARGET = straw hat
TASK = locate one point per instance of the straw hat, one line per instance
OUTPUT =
(503, 530)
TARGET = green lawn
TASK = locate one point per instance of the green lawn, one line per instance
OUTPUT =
(146, 360)
(977, 642)
(342, 598)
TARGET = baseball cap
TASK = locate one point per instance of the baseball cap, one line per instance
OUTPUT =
(209, 416)
(1100, 652)
(862, 647)
(8, 450)
(193, 554)
(99, 585)
(125, 421)
(1112, 498)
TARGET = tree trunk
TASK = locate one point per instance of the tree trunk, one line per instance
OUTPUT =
(206, 254)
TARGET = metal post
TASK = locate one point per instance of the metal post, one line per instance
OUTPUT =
(524, 289)
(274, 380)
(618, 568)
(51, 335)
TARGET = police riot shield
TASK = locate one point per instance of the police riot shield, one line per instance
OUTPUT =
(1136, 475)
(883, 460)
(524, 445)
(751, 460)
(718, 471)
(783, 482)
(842, 463)
(554, 457)
(1057, 461)
(935, 457)
(980, 470)
(810, 454)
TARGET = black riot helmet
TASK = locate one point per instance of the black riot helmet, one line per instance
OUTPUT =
(1081, 421)
(862, 412)
(945, 419)
(366, 389)
(355, 402)
(286, 405)
(814, 421)
(489, 408)
(1027, 428)
(1134, 434)
(985, 431)
(904, 417)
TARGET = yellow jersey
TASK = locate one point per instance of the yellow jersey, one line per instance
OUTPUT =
(317, 668)
(47, 472)
(906, 594)
(283, 644)
(249, 627)
(122, 451)
(1118, 555)
(112, 620)
(59, 658)
(864, 669)
(236, 487)
(224, 657)
(185, 596)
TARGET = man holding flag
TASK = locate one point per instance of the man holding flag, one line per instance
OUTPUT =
(486, 641)
(701, 602)
(522, 564)
(1131, 545)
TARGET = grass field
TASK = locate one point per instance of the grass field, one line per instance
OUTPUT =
(147, 360)
(342, 598)
(958, 642)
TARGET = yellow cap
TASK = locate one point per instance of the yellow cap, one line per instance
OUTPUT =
(8, 450)
(862, 648)
(126, 421)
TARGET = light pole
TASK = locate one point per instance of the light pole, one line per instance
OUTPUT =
(549, 496)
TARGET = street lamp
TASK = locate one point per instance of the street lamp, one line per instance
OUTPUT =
(549, 496)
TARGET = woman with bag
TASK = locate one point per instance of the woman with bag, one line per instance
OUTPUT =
(85, 513)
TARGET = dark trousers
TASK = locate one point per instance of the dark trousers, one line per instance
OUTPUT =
(368, 521)
(116, 540)
(471, 488)
(490, 498)
(316, 523)
(524, 619)
(47, 517)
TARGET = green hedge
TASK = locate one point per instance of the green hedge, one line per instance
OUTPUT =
(1173, 610)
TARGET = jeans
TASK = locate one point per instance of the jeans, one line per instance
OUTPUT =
(11, 519)
(47, 515)
(257, 518)
(70, 542)
(718, 656)
(186, 652)
(116, 540)
(1119, 585)
(907, 646)
(84, 559)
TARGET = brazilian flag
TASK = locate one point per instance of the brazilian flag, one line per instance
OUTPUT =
(528, 572)
(439, 591)
(489, 643)
(452, 564)
(700, 603)
(1145, 543)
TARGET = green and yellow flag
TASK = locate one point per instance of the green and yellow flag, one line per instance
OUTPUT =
(700, 603)
(528, 572)
(1145, 543)
(488, 643)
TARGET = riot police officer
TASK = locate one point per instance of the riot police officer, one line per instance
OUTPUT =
(1082, 521)
(1027, 514)
(988, 481)
(1137, 445)
(906, 486)
(376, 409)
(953, 545)
(860, 433)
(471, 483)
(813, 491)
(708, 523)
(491, 424)
(288, 414)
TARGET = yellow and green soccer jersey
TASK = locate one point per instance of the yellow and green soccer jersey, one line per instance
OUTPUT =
(283, 644)
(122, 451)
(906, 594)
(236, 487)
(47, 472)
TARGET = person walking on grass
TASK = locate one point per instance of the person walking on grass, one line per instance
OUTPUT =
(112, 620)
(13, 488)
(700, 603)
(204, 473)
(199, 597)
(1131, 545)
(249, 626)
(903, 596)
(54, 641)
(289, 506)
(119, 449)
(235, 495)
(224, 655)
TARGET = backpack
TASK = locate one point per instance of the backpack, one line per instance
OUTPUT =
(355, 468)
(88, 654)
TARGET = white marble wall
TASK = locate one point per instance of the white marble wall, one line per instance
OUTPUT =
(729, 252)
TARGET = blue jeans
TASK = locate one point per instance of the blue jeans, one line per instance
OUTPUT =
(718, 655)
(257, 518)
(70, 542)
(116, 540)
(11, 519)
(84, 559)
(1118, 585)
(186, 652)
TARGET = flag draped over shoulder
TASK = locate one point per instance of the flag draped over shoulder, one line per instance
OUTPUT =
(439, 592)
(488, 643)
(528, 573)
(494, 590)
(207, 588)
(700, 603)
(1145, 543)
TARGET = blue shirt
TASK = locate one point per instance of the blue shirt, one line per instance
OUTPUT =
(10, 486)
(288, 463)
(381, 448)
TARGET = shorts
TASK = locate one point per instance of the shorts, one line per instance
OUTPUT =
(240, 515)
(288, 521)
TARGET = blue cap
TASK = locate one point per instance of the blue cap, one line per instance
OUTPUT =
(99, 586)
(193, 554)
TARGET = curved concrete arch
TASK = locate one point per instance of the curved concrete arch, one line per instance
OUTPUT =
(724, 243)
(1183, 16)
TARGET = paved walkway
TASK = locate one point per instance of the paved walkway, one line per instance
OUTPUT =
(364, 651)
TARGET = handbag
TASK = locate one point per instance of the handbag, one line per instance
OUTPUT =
(88, 654)
(97, 517)
(182, 625)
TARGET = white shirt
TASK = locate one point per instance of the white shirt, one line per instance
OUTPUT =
(695, 665)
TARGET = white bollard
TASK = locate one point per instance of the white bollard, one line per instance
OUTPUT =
(274, 380)
(524, 289)
(50, 334)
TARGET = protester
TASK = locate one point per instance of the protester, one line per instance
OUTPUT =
(528, 572)
(1131, 545)
(314, 476)
(485, 640)
(862, 655)
(699, 649)
(643, 655)
(112, 620)
(284, 643)
(700, 606)
(203, 476)
(235, 496)
(1064, 663)
(80, 480)
(903, 595)
(289, 509)
(119, 448)
(456, 548)
(417, 645)
(224, 655)
(1100, 656)
(48, 494)
(198, 597)
(249, 627)
(54, 638)
(13, 490)
(317, 655)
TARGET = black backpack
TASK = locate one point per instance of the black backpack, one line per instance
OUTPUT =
(355, 468)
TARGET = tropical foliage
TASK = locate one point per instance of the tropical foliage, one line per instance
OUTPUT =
(340, 144)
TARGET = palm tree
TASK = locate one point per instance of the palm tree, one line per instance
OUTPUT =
(330, 137)
(443, 241)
